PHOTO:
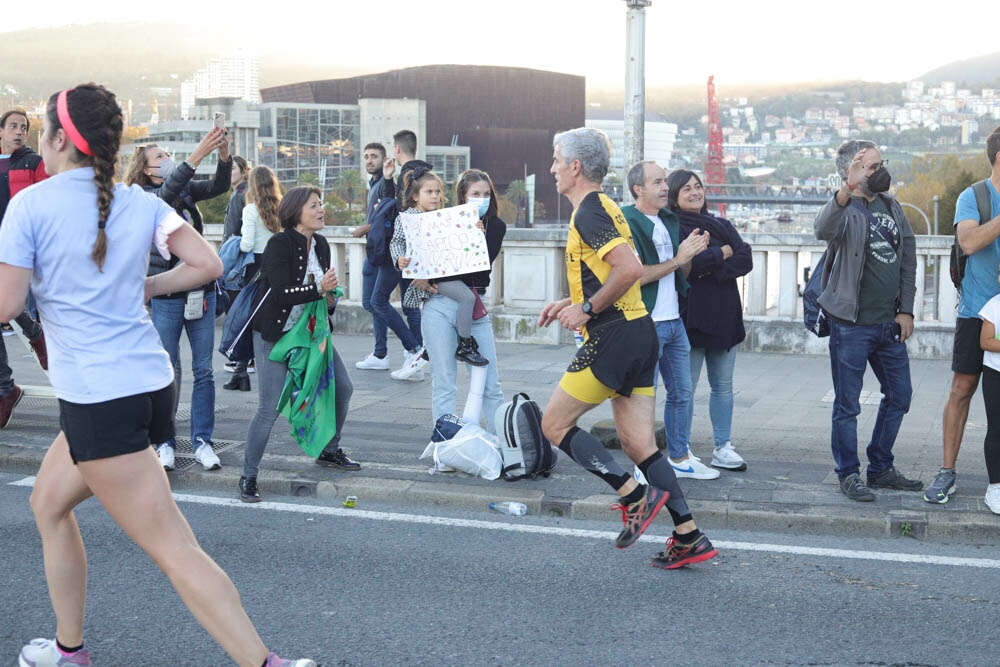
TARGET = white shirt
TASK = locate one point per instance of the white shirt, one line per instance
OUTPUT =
(667, 307)
(989, 313)
(100, 339)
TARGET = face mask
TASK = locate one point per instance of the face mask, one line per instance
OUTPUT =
(165, 168)
(482, 202)
(879, 181)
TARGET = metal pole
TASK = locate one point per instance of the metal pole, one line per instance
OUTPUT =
(635, 83)
(937, 207)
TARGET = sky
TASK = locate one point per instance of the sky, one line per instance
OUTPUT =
(740, 41)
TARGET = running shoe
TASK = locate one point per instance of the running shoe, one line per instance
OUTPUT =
(249, 492)
(726, 457)
(45, 653)
(893, 479)
(942, 487)
(639, 515)
(677, 554)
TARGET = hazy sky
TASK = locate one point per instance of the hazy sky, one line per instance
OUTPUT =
(745, 41)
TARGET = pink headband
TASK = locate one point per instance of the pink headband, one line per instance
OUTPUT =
(62, 110)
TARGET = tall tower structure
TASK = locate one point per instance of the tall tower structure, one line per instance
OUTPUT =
(715, 171)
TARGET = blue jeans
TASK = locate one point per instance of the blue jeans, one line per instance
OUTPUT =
(270, 382)
(168, 318)
(675, 369)
(369, 273)
(720, 399)
(851, 349)
(386, 279)
(441, 341)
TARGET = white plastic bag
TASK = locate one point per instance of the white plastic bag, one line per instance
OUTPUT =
(472, 450)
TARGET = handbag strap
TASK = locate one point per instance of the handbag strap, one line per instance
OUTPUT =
(249, 320)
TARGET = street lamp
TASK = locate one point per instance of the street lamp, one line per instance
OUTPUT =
(927, 221)
(635, 80)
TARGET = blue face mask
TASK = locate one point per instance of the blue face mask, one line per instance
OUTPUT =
(482, 202)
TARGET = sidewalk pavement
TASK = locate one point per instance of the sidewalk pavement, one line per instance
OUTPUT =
(781, 426)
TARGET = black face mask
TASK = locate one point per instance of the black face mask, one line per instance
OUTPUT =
(879, 181)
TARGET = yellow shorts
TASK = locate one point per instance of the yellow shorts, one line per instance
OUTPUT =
(585, 387)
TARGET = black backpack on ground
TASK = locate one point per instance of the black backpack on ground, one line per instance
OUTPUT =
(958, 257)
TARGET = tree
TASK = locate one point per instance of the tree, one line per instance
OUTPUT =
(350, 187)
(339, 213)
(517, 193)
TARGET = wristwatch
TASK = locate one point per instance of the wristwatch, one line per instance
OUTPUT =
(587, 308)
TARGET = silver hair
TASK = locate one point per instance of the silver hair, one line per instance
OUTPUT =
(588, 145)
(637, 175)
(847, 151)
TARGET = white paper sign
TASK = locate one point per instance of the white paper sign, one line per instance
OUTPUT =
(445, 242)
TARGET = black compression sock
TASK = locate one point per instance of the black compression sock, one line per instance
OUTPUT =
(634, 497)
(68, 649)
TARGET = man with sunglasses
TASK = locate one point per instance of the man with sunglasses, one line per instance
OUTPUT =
(869, 297)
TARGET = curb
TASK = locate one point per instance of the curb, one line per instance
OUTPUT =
(933, 524)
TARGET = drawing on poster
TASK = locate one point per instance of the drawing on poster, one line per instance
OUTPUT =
(445, 242)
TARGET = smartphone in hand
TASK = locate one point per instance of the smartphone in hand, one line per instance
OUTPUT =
(220, 120)
(897, 332)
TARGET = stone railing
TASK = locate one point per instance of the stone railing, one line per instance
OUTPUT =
(531, 271)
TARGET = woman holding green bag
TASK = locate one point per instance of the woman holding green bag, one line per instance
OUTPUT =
(296, 267)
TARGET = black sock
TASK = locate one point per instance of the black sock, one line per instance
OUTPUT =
(588, 451)
(678, 519)
(660, 474)
(68, 649)
(636, 495)
(264, 664)
(688, 538)
(378, 356)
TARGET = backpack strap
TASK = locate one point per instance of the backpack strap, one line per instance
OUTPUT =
(983, 201)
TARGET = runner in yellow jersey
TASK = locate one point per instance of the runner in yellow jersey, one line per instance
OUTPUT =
(618, 359)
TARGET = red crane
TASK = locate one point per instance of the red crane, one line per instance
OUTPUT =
(715, 171)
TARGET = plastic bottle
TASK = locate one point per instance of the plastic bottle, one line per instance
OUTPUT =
(578, 336)
(510, 507)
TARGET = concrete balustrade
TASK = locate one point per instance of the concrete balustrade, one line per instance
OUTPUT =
(531, 271)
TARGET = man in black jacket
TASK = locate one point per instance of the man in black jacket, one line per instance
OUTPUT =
(19, 167)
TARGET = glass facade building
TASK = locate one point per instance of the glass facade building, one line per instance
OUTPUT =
(309, 142)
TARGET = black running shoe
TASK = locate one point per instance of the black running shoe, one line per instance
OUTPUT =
(248, 490)
(677, 554)
(893, 479)
(337, 459)
(639, 515)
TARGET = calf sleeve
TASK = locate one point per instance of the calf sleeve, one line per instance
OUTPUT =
(660, 474)
(588, 451)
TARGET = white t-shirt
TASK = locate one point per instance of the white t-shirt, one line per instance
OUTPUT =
(101, 341)
(991, 313)
(666, 307)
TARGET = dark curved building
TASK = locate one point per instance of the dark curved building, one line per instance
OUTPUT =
(507, 116)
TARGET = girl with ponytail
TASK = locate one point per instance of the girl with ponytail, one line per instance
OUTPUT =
(82, 243)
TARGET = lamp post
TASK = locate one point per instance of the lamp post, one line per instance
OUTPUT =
(635, 81)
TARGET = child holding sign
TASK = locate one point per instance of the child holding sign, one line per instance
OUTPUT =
(422, 192)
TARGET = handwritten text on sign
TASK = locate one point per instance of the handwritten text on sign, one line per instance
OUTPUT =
(444, 242)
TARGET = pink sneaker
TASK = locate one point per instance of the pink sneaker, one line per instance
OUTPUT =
(45, 653)
(274, 661)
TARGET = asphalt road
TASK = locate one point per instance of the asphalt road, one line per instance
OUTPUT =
(382, 585)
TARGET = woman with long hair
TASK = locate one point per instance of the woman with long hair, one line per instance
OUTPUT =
(154, 170)
(712, 310)
(82, 243)
(439, 320)
(296, 270)
(260, 221)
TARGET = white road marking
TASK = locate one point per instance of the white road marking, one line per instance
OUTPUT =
(988, 563)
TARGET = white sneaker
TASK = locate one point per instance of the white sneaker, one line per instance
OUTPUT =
(993, 498)
(43, 653)
(726, 457)
(693, 468)
(204, 455)
(373, 363)
(166, 455)
(408, 376)
(412, 362)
